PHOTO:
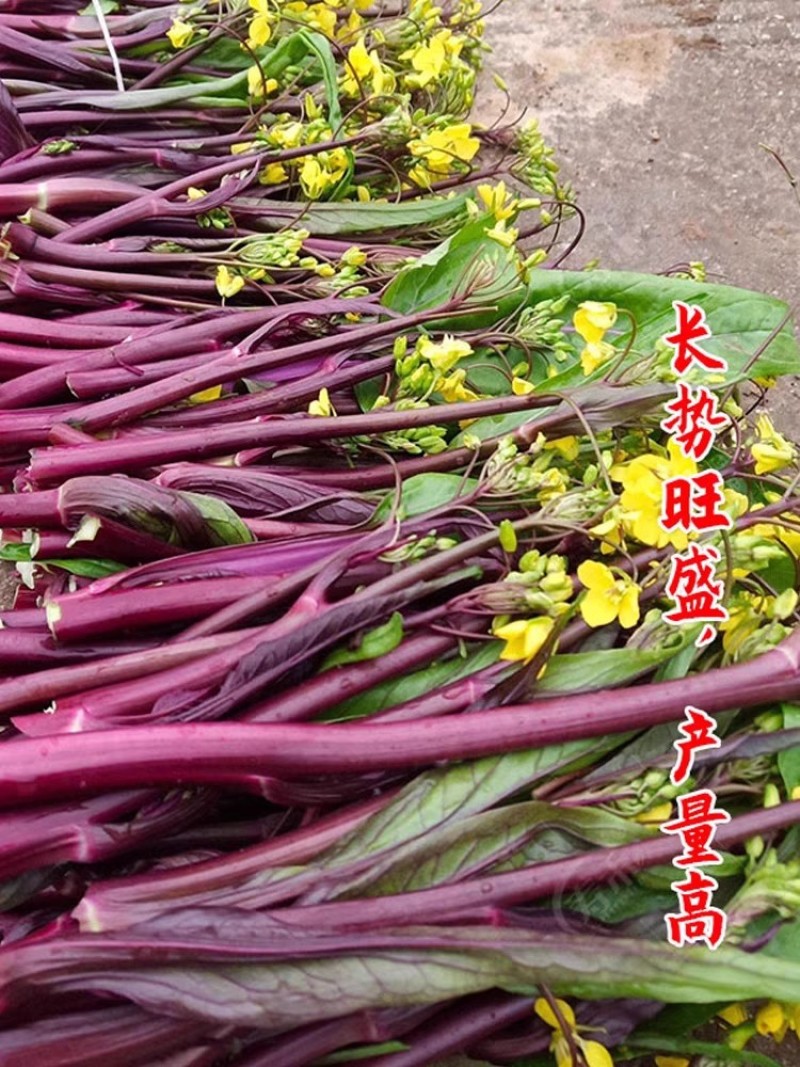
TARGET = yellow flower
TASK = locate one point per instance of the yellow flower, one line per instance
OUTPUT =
(772, 451)
(315, 178)
(654, 816)
(180, 33)
(354, 257)
(452, 388)
(286, 134)
(734, 1014)
(672, 1061)
(595, 354)
(257, 86)
(227, 284)
(321, 18)
(592, 318)
(438, 150)
(523, 637)
(521, 387)
(642, 479)
(774, 1019)
(205, 395)
(273, 174)
(498, 201)
(260, 29)
(428, 60)
(503, 235)
(567, 447)
(608, 597)
(363, 71)
(595, 1054)
(443, 355)
(322, 405)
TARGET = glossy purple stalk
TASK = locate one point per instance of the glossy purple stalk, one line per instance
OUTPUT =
(135, 453)
(80, 617)
(57, 194)
(238, 364)
(201, 753)
(249, 492)
(146, 894)
(206, 333)
(95, 829)
(46, 686)
(116, 1036)
(24, 649)
(318, 694)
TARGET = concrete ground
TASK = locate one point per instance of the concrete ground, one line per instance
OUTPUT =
(657, 109)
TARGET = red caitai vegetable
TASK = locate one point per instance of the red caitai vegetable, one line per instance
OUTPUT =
(339, 696)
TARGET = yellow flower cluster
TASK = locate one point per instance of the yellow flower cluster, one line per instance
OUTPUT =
(364, 73)
(440, 151)
(642, 480)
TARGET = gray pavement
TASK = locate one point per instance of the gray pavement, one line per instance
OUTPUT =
(657, 109)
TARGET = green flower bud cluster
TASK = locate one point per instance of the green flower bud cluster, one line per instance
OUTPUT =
(507, 471)
(417, 441)
(537, 166)
(417, 548)
(549, 586)
(541, 328)
(649, 789)
(771, 886)
(272, 250)
(394, 130)
(754, 552)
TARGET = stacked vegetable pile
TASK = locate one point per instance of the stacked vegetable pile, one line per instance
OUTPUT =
(338, 700)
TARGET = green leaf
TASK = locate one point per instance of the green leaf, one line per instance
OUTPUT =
(147, 99)
(448, 794)
(222, 520)
(319, 46)
(408, 687)
(420, 965)
(331, 219)
(740, 320)
(618, 903)
(493, 840)
(424, 492)
(373, 644)
(583, 671)
(789, 759)
(363, 1052)
(84, 568)
(785, 944)
(468, 264)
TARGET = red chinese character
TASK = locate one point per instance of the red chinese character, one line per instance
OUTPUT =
(693, 503)
(698, 732)
(693, 587)
(695, 420)
(691, 326)
(697, 920)
(695, 824)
